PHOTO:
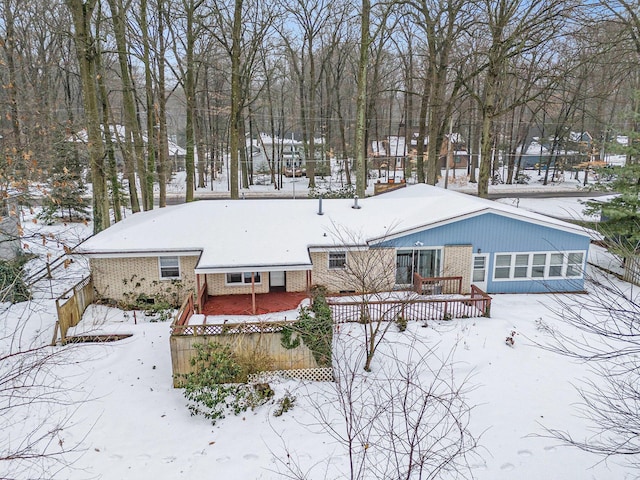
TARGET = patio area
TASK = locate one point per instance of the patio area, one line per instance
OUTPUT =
(243, 304)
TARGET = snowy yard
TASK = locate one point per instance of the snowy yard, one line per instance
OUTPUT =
(130, 423)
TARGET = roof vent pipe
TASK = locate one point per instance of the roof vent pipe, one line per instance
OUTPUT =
(355, 202)
(320, 212)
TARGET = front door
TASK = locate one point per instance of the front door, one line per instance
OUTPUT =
(277, 282)
(480, 271)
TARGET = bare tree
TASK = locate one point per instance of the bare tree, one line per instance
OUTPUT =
(606, 335)
(409, 420)
(36, 405)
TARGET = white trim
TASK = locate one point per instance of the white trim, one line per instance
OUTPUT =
(339, 248)
(254, 268)
(143, 254)
(530, 266)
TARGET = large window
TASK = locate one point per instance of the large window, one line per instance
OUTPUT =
(337, 260)
(169, 267)
(538, 265)
(424, 262)
(242, 278)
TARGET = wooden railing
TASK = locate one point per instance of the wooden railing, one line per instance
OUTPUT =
(203, 296)
(70, 306)
(185, 311)
(437, 285)
(478, 304)
(482, 300)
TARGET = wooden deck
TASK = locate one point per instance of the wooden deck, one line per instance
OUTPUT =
(243, 304)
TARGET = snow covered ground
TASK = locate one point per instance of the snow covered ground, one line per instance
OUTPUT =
(124, 420)
(130, 423)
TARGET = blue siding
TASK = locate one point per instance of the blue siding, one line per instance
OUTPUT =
(493, 233)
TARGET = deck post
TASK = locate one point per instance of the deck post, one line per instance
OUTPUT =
(253, 292)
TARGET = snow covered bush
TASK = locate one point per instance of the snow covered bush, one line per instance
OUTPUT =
(212, 389)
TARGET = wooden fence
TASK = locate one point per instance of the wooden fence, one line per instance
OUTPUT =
(70, 307)
(259, 343)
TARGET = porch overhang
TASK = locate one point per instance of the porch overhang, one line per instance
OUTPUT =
(299, 267)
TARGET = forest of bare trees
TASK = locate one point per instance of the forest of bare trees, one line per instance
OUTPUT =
(209, 74)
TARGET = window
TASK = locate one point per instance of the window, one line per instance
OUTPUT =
(242, 278)
(503, 266)
(574, 264)
(169, 267)
(337, 260)
(555, 265)
(522, 266)
(539, 262)
(538, 265)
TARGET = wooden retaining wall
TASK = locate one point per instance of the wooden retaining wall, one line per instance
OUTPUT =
(71, 305)
(260, 341)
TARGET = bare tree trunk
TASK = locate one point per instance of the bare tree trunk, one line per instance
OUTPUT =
(81, 13)
(162, 137)
(236, 99)
(151, 114)
(361, 101)
(133, 141)
(190, 92)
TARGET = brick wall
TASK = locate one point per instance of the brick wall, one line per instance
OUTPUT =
(297, 281)
(373, 269)
(457, 263)
(123, 279)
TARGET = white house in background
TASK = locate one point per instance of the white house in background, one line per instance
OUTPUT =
(177, 154)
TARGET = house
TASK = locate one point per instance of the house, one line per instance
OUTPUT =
(177, 154)
(261, 246)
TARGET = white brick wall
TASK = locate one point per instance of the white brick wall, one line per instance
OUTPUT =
(457, 263)
(123, 279)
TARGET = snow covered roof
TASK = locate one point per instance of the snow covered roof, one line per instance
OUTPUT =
(118, 134)
(264, 235)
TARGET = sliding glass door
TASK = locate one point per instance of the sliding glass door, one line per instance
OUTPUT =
(424, 262)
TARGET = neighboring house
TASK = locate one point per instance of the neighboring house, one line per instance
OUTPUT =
(177, 154)
(259, 246)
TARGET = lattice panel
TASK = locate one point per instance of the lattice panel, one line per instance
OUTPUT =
(309, 374)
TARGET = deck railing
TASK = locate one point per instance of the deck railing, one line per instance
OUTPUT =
(437, 285)
(185, 311)
(203, 296)
(478, 304)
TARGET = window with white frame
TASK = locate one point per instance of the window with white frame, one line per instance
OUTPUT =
(537, 265)
(169, 267)
(337, 260)
(241, 278)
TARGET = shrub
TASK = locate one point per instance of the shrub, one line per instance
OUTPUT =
(401, 323)
(285, 404)
(211, 389)
(12, 286)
